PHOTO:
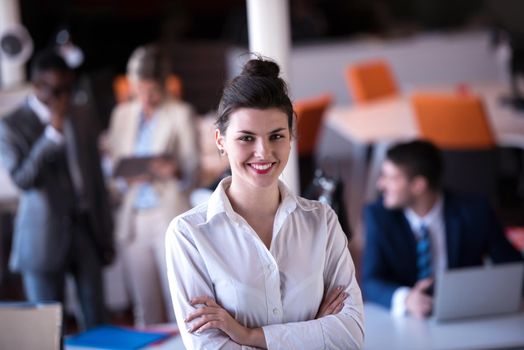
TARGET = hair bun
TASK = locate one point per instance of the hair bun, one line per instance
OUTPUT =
(261, 68)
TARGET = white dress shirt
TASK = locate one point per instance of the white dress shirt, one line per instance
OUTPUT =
(212, 251)
(434, 221)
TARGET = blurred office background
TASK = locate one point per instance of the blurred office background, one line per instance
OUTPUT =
(456, 44)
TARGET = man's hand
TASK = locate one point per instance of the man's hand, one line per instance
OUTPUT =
(58, 107)
(211, 315)
(332, 303)
(418, 303)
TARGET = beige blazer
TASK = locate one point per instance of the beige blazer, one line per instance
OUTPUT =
(175, 133)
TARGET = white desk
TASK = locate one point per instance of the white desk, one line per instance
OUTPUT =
(386, 332)
(381, 123)
(174, 343)
(382, 331)
(393, 119)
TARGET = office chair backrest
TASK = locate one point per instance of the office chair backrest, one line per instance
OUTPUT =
(30, 326)
(459, 126)
(122, 89)
(370, 80)
(310, 115)
(453, 121)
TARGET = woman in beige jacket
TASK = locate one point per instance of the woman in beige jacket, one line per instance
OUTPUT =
(151, 124)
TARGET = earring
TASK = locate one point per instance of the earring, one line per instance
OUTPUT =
(221, 150)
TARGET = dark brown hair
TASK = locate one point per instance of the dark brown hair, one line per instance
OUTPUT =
(419, 158)
(258, 86)
(48, 60)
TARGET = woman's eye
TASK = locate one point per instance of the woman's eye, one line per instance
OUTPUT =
(246, 138)
(276, 137)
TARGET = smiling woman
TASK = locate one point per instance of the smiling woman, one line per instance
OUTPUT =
(257, 266)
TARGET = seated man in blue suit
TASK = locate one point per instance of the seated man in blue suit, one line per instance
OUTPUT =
(416, 229)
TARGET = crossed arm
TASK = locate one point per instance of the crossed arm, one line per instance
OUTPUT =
(212, 316)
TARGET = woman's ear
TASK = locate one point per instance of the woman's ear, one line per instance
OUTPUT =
(219, 141)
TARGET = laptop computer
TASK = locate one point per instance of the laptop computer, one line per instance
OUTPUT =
(478, 291)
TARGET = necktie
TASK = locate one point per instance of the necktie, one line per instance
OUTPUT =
(424, 253)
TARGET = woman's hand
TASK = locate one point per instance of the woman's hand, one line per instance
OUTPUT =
(333, 302)
(163, 168)
(137, 179)
(211, 315)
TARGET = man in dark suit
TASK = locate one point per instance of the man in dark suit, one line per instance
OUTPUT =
(63, 223)
(416, 229)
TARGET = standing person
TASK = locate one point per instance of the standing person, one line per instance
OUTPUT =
(152, 124)
(257, 266)
(63, 223)
(417, 228)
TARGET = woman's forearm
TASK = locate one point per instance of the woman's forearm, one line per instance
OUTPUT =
(255, 337)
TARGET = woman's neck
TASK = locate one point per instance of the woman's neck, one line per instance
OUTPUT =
(247, 202)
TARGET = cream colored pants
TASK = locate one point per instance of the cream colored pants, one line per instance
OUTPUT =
(145, 268)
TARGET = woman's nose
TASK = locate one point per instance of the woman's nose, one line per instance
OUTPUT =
(263, 148)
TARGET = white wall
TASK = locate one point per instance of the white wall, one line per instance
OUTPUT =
(425, 59)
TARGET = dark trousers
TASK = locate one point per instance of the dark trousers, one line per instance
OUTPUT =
(84, 265)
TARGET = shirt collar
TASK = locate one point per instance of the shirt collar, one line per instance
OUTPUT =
(40, 109)
(415, 221)
(219, 202)
(147, 121)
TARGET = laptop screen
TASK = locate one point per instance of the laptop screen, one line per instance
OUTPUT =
(478, 291)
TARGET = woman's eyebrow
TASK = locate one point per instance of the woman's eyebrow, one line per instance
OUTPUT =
(276, 130)
(247, 132)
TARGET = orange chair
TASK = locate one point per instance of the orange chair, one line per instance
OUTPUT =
(310, 115)
(458, 124)
(453, 121)
(122, 90)
(370, 80)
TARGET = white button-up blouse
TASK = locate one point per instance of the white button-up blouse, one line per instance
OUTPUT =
(212, 251)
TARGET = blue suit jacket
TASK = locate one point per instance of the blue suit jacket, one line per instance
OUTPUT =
(472, 232)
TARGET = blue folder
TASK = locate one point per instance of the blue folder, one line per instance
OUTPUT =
(113, 337)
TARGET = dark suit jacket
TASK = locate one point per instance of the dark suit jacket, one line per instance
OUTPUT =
(38, 166)
(472, 232)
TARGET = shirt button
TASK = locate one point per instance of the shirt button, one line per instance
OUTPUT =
(275, 311)
(268, 267)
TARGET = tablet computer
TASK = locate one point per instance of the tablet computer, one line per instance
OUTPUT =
(136, 165)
